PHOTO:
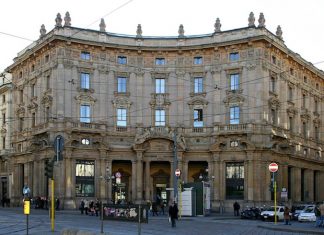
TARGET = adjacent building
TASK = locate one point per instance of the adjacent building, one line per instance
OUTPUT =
(227, 103)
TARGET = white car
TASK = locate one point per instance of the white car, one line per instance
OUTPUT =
(269, 213)
(307, 215)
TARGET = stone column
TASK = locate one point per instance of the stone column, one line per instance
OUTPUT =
(102, 178)
(147, 180)
(309, 185)
(211, 179)
(216, 183)
(319, 186)
(222, 180)
(17, 184)
(108, 183)
(296, 184)
(185, 171)
(284, 177)
(36, 177)
(69, 181)
(248, 183)
(133, 181)
(139, 177)
(268, 177)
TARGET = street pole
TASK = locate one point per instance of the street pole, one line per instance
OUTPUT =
(52, 205)
(175, 165)
(275, 197)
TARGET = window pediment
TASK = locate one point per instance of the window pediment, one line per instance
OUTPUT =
(197, 100)
(85, 98)
(121, 101)
(233, 98)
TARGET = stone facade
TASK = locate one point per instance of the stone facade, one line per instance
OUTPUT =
(236, 99)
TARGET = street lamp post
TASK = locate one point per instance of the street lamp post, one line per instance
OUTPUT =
(107, 178)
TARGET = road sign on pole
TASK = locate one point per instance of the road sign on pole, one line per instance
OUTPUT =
(177, 172)
(273, 167)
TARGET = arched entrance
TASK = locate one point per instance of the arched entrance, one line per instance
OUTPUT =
(161, 181)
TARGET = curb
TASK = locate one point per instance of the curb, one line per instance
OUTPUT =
(289, 229)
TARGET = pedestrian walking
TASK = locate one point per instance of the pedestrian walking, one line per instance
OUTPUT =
(82, 206)
(236, 207)
(287, 216)
(86, 206)
(173, 214)
(318, 216)
(321, 208)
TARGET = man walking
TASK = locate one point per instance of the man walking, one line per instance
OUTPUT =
(236, 207)
(318, 216)
(173, 214)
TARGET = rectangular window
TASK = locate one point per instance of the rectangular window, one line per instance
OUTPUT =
(159, 85)
(46, 58)
(198, 118)
(33, 119)
(122, 60)
(85, 55)
(121, 117)
(121, 84)
(290, 93)
(84, 182)
(291, 124)
(3, 99)
(198, 60)
(3, 142)
(48, 82)
(33, 90)
(304, 130)
(316, 106)
(235, 180)
(235, 115)
(21, 124)
(235, 81)
(273, 116)
(235, 56)
(198, 85)
(159, 61)
(159, 117)
(21, 96)
(304, 101)
(47, 114)
(272, 84)
(85, 113)
(85, 81)
(316, 133)
(274, 60)
(3, 118)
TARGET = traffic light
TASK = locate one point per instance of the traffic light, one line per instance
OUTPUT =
(49, 166)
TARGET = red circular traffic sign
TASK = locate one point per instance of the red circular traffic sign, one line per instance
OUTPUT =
(273, 167)
(177, 172)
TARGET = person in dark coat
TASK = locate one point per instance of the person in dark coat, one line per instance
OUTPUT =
(173, 213)
(236, 207)
(287, 216)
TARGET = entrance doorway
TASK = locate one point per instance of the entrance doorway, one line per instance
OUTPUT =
(161, 194)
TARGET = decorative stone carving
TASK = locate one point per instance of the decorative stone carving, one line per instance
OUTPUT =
(121, 101)
(274, 103)
(197, 100)
(233, 98)
(217, 26)
(47, 100)
(181, 31)
(261, 21)
(58, 20)
(32, 106)
(279, 32)
(67, 19)
(251, 20)
(85, 97)
(42, 31)
(102, 25)
(139, 31)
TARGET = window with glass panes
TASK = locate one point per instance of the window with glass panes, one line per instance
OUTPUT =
(85, 55)
(84, 178)
(85, 113)
(235, 115)
(198, 60)
(85, 81)
(122, 60)
(235, 81)
(235, 56)
(159, 117)
(159, 61)
(235, 180)
(198, 85)
(159, 85)
(121, 117)
(121, 84)
(198, 118)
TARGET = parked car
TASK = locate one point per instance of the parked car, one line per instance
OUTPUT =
(251, 213)
(269, 213)
(307, 215)
(298, 209)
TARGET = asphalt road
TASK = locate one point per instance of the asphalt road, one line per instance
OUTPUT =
(13, 221)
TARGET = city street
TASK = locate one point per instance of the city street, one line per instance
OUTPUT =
(12, 221)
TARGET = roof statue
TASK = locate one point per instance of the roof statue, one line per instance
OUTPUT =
(42, 31)
(261, 21)
(181, 31)
(217, 25)
(58, 20)
(102, 25)
(139, 31)
(279, 32)
(251, 19)
(67, 19)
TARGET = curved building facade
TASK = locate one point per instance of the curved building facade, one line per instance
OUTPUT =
(227, 104)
